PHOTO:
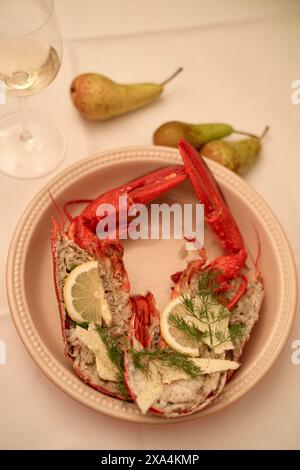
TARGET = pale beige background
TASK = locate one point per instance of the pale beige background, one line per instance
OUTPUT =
(239, 63)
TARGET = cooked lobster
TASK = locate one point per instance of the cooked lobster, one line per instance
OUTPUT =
(148, 365)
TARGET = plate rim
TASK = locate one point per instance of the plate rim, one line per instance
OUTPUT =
(68, 382)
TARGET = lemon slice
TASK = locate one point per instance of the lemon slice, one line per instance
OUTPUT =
(215, 329)
(84, 295)
(175, 338)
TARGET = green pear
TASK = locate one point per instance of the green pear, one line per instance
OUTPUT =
(237, 155)
(169, 133)
(99, 98)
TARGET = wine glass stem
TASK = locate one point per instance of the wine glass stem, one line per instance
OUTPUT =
(26, 135)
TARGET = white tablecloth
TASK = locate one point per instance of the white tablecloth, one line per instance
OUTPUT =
(239, 61)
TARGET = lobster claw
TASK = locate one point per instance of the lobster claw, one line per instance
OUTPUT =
(217, 213)
(219, 217)
(141, 190)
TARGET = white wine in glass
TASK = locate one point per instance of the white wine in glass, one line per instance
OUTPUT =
(30, 58)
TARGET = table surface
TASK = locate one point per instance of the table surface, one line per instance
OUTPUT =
(239, 64)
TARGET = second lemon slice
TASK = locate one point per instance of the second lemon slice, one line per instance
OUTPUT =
(174, 337)
(84, 295)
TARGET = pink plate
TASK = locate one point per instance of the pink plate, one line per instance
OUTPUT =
(149, 264)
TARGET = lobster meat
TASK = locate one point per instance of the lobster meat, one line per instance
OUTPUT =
(136, 318)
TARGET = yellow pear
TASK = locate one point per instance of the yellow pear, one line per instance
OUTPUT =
(99, 98)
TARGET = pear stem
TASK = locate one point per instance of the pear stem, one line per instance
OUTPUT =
(245, 133)
(253, 135)
(180, 69)
(264, 132)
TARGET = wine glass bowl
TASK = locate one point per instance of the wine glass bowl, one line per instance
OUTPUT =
(35, 68)
(30, 58)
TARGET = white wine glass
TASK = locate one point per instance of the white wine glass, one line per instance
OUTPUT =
(31, 145)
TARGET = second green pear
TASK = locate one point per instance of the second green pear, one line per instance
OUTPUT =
(238, 155)
(169, 133)
(99, 98)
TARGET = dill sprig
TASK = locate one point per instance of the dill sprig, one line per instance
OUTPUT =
(221, 337)
(189, 329)
(74, 323)
(114, 351)
(207, 309)
(207, 283)
(237, 331)
(116, 355)
(141, 360)
(188, 303)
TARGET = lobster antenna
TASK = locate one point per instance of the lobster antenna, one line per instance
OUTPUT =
(70, 203)
(57, 208)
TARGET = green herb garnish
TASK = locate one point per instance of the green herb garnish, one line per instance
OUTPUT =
(74, 323)
(189, 329)
(237, 331)
(114, 351)
(207, 309)
(116, 355)
(141, 360)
